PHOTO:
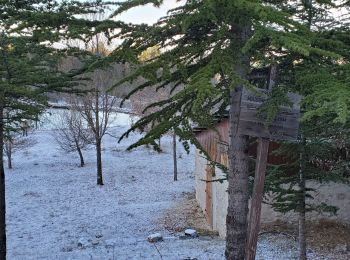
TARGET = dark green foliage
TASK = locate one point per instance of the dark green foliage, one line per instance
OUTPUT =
(199, 56)
(28, 71)
(324, 163)
(29, 62)
(323, 81)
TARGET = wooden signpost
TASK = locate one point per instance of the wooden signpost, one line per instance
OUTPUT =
(286, 122)
(284, 127)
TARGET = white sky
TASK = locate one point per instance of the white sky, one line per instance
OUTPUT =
(148, 13)
(143, 14)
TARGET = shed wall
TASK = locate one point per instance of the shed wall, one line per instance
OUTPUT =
(332, 193)
(216, 145)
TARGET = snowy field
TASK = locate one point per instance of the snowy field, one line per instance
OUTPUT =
(55, 210)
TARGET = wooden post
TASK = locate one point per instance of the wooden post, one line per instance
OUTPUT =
(258, 191)
(259, 181)
(174, 156)
(302, 206)
(210, 170)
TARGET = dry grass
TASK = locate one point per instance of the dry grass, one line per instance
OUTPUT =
(186, 214)
(323, 236)
(328, 238)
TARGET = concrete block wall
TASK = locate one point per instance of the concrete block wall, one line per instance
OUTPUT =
(200, 175)
(332, 193)
(220, 203)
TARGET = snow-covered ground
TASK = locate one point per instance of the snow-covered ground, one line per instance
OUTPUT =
(55, 210)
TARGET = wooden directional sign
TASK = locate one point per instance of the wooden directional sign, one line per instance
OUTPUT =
(285, 125)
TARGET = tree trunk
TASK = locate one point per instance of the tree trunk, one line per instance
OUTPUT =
(237, 211)
(36, 121)
(98, 138)
(302, 210)
(2, 187)
(302, 206)
(82, 163)
(236, 220)
(9, 157)
(8, 145)
(174, 156)
(99, 162)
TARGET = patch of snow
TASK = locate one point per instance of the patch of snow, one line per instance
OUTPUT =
(55, 210)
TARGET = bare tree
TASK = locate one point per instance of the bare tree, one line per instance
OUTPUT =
(72, 133)
(14, 142)
(15, 137)
(96, 108)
